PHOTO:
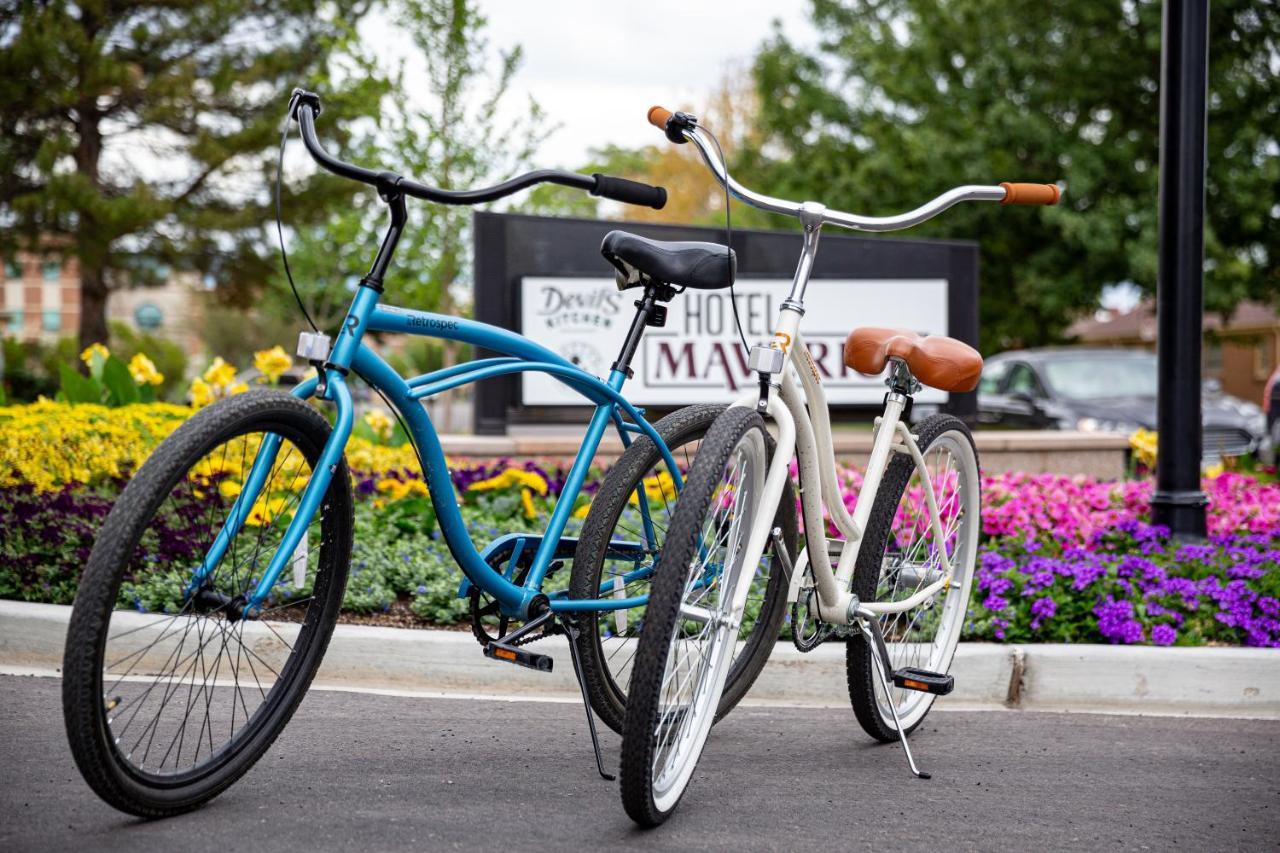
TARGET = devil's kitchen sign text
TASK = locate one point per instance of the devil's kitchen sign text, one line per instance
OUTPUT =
(697, 356)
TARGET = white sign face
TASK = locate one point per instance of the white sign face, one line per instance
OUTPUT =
(697, 357)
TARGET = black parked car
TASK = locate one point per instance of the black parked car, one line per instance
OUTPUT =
(1104, 390)
(1271, 406)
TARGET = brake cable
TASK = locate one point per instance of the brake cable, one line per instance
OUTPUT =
(284, 254)
(728, 239)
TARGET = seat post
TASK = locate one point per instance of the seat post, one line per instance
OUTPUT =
(648, 313)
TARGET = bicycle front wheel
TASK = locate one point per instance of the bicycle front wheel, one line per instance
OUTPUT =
(169, 693)
(901, 554)
(685, 651)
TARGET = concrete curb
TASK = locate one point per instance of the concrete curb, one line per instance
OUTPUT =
(1230, 682)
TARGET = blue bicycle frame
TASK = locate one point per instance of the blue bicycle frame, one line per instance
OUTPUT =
(518, 354)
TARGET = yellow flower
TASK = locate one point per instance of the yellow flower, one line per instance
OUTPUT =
(1144, 444)
(48, 445)
(201, 393)
(394, 489)
(238, 388)
(229, 488)
(379, 423)
(526, 500)
(272, 363)
(581, 512)
(512, 477)
(1215, 470)
(211, 466)
(661, 487)
(220, 374)
(92, 350)
(265, 511)
(657, 488)
(530, 480)
(143, 371)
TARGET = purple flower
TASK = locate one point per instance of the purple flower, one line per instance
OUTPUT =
(1044, 608)
(1201, 553)
(1116, 622)
(995, 603)
(1163, 635)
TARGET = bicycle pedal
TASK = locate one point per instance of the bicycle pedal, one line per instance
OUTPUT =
(910, 678)
(518, 656)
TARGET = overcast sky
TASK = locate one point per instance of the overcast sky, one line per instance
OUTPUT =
(597, 67)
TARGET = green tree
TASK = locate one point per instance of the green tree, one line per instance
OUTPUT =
(902, 99)
(138, 135)
(464, 137)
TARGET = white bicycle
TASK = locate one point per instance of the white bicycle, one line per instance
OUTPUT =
(900, 585)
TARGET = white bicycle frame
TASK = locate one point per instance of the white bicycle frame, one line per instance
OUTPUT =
(804, 424)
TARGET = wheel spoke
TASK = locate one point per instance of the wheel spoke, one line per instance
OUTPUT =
(192, 683)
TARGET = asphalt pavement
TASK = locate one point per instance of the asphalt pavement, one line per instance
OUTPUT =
(376, 772)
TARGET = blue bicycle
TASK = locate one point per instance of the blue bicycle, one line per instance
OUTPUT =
(213, 587)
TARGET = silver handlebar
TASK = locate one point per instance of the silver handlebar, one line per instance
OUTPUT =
(809, 211)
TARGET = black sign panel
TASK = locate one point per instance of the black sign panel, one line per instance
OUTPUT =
(549, 272)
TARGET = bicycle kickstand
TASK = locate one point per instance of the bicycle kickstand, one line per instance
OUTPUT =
(571, 631)
(880, 657)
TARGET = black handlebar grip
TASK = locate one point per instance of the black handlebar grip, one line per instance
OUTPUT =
(629, 192)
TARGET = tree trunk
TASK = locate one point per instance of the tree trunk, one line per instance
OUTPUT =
(91, 243)
(93, 303)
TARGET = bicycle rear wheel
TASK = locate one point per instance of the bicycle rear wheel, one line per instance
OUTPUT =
(684, 653)
(620, 545)
(900, 555)
(169, 697)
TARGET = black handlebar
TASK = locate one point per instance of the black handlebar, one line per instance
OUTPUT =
(630, 192)
(305, 106)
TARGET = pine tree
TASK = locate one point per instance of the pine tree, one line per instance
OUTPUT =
(139, 135)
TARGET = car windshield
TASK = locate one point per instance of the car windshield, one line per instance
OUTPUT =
(1098, 378)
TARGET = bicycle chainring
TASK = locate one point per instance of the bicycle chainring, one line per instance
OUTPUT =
(807, 632)
(488, 607)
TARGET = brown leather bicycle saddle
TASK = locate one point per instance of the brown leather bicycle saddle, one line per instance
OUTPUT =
(936, 360)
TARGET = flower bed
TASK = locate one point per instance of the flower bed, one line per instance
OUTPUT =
(1063, 559)
(1072, 559)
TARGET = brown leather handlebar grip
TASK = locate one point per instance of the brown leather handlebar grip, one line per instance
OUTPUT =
(658, 117)
(1030, 193)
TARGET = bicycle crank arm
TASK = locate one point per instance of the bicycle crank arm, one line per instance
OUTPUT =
(507, 648)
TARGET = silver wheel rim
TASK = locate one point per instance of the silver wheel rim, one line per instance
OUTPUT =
(182, 686)
(702, 642)
(925, 636)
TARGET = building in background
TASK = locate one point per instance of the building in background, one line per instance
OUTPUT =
(41, 296)
(1240, 353)
(173, 310)
(42, 302)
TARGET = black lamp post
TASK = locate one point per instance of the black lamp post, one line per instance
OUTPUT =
(1178, 502)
